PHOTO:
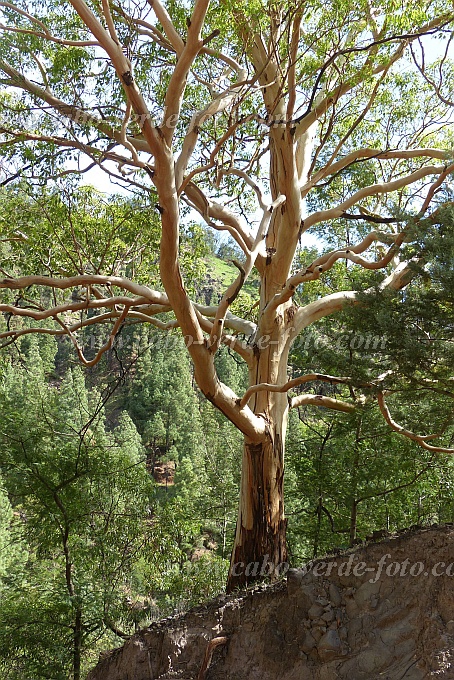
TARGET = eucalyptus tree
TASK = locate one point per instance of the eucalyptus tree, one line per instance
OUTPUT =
(268, 120)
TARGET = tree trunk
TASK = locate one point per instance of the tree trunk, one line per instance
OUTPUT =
(77, 645)
(260, 543)
(260, 549)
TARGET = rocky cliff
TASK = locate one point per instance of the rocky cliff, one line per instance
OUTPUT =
(382, 612)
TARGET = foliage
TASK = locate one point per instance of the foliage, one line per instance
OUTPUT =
(268, 120)
(83, 496)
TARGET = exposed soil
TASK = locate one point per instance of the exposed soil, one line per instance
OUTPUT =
(164, 473)
(367, 626)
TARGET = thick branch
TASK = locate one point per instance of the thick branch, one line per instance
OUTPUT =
(177, 82)
(291, 78)
(235, 287)
(237, 324)
(361, 154)
(325, 262)
(91, 151)
(210, 210)
(39, 314)
(169, 29)
(228, 298)
(310, 377)
(373, 190)
(400, 277)
(86, 280)
(70, 111)
(216, 106)
(329, 304)
(219, 394)
(123, 69)
(241, 348)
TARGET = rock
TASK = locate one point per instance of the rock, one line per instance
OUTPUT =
(329, 646)
(343, 633)
(294, 578)
(317, 633)
(305, 597)
(365, 593)
(334, 595)
(351, 607)
(374, 659)
(298, 590)
(450, 627)
(308, 643)
(315, 611)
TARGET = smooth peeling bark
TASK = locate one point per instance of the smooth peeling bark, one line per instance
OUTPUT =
(260, 541)
(260, 547)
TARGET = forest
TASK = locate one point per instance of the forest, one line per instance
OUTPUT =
(240, 353)
(120, 481)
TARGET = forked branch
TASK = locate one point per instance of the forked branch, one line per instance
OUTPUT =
(326, 262)
(373, 190)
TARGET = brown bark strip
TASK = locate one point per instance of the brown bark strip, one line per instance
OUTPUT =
(260, 544)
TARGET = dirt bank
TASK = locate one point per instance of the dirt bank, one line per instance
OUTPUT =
(346, 617)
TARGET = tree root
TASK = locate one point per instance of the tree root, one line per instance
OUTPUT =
(215, 642)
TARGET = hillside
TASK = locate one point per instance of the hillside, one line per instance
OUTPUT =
(220, 273)
(383, 622)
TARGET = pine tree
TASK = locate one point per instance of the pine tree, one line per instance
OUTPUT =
(84, 498)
